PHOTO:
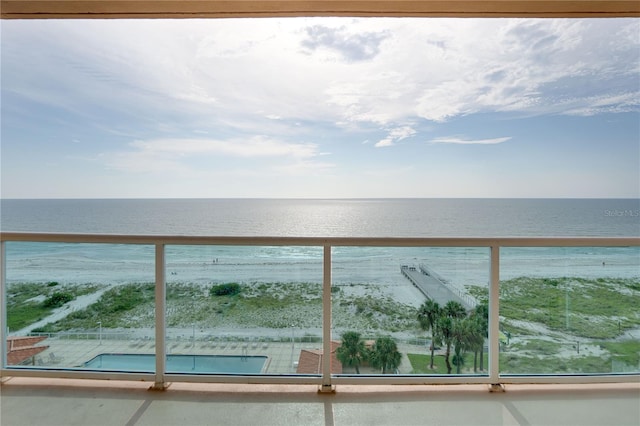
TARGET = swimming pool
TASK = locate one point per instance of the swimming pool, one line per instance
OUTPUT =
(200, 364)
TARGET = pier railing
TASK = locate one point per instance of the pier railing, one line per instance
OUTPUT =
(510, 338)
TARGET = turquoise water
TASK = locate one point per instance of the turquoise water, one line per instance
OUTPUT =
(201, 364)
(116, 263)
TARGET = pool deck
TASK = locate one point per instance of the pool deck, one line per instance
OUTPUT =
(73, 353)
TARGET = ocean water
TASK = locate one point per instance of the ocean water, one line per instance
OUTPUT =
(328, 218)
(106, 263)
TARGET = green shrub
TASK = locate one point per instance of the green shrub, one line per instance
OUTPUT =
(229, 289)
(57, 299)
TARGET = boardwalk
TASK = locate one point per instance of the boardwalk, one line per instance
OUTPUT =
(434, 288)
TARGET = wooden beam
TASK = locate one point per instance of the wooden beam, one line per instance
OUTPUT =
(101, 9)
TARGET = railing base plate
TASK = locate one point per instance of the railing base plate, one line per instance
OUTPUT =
(326, 389)
(496, 387)
(160, 387)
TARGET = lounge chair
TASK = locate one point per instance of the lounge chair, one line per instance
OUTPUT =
(53, 359)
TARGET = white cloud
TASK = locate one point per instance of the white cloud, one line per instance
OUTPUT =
(460, 141)
(194, 94)
(395, 135)
(257, 146)
(236, 70)
(358, 46)
(610, 103)
(186, 155)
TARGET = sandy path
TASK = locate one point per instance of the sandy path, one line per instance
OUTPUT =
(78, 303)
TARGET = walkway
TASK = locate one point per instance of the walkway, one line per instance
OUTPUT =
(432, 287)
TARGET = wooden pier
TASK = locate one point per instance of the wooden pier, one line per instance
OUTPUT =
(433, 287)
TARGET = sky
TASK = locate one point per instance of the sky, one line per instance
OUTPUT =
(320, 108)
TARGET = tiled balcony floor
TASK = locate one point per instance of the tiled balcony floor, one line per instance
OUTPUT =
(30, 401)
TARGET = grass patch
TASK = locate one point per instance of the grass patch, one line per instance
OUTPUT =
(539, 347)
(420, 364)
(596, 308)
(627, 351)
(522, 364)
(28, 303)
(25, 314)
(115, 308)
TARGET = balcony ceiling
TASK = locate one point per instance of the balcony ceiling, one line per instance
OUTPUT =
(101, 9)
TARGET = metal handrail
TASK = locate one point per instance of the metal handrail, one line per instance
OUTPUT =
(322, 241)
(326, 380)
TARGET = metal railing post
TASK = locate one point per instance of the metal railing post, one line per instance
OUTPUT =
(3, 308)
(494, 318)
(161, 332)
(326, 321)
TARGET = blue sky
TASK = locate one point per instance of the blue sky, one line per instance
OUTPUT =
(321, 108)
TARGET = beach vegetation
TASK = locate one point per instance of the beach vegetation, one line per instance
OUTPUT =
(598, 308)
(626, 351)
(371, 311)
(58, 299)
(28, 303)
(519, 363)
(270, 305)
(228, 289)
(114, 308)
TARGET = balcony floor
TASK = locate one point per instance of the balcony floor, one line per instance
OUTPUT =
(35, 401)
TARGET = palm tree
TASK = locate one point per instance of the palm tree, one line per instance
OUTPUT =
(385, 355)
(481, 315)
(428, 314)
(475, 340)
(451, 313)
(444, 335)
(454, 309)
(463, 339)
(352, 352)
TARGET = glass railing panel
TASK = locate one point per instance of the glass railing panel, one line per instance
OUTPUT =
(570, 310)
(70, 305)
(242, 309)
(388, 310)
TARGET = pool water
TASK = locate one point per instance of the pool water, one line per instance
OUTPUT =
(213, 364)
